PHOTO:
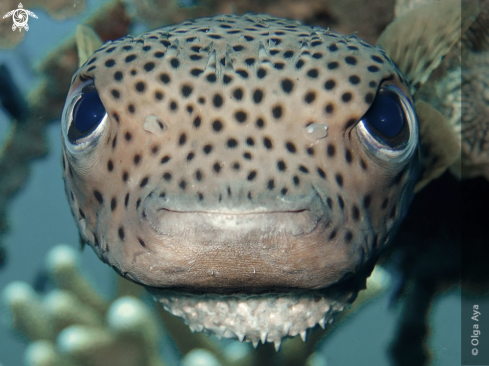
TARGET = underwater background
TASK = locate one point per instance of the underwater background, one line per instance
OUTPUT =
(38, 217)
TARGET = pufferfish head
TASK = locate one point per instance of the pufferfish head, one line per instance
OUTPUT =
(243, 168)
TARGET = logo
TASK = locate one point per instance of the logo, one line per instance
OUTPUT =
(20, 17)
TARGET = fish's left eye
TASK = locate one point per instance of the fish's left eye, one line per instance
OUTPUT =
(389, 128)
(84, 117)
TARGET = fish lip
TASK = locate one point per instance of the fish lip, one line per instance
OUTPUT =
(227, 213)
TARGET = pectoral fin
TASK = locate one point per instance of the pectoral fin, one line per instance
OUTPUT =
(418, 40)
(440, 146)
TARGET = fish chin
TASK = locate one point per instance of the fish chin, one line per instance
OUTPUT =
(268, 317)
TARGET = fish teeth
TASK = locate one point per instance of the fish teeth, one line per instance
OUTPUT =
(263, 337)
(255, 343)
(277, 345)
(211, 63)
(304, 335)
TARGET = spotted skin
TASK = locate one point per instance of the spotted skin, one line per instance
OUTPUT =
(205, 177)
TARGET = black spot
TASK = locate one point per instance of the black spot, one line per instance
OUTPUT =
(321, 173)
(182, 185)
(310, 97)
(349, 123)
(260, 123)
(195, 57)
(249, 61)
(369, 98)
(288, 54)
(141, 242)
(226, 79)
(316, 43)
(261, 73)
(251, 175)
(125, 176)
(277, 112)
(173, 105)
(110, 50)
(118, 76)
(238, 48)
(232, 143)
(348, 237)
(330, 150)
(167, 176)
(287, 85)
(197, 121)
(271, 184)
(127, 48)
(279, 65)
(341, 202)
(140, 87)
(242, 73)
(137, 159)
(333, 47)
(240, 116)
(207, 149)
(299, 64)
(154, 150)
(373, 68)
(114, 142)
(174, 63)
(121, 233)
(110, 165)
(201, 196)
(130, 58)
(372, 84)
(333, 65)
(238, 94)
(332, 235)
(159, 54)
(313, 73)
(248, 38)
(363, 164)
(198, 175)
(82, 214)
(317, 55)
(281, 165)
(350, 60)
(131, 108)
(236, 166)
(329, 84)
(348, 156)
(165, 159)
(257, 96)
(133, 72)
(196, 72)
(329, 108)
(148, 66)
(98, 196)
(290, 147)
(211, 78)
(346, 97)
(267, 143)
(385, 202)
(310, 151)
(377, 59)
(329, 202)
(303, 169)
(366, 201)
(296, 180)
(186, 91)
(158, 95)
(355, 213)
(182, 140)
(217, 167)
(217, 125)
(247, 156)
(339, 179)
(113, 204)
(217, 101)
(354, 79)
(165, 78)
(115, 94)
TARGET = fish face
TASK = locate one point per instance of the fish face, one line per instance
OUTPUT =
(242, 154)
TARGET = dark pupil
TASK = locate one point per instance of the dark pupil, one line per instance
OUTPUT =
(386, 115)
(87, 115)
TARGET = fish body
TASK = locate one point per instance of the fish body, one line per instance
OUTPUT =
(240, 155)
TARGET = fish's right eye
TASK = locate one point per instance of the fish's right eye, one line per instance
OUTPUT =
(88, 113)
(84, 117)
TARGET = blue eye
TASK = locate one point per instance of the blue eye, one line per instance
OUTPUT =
(386, 118)
(88, 113)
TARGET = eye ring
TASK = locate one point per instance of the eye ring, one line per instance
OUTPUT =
(84, 134)
(402, 143)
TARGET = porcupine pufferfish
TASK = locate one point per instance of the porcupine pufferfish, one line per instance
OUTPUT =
(247, 170)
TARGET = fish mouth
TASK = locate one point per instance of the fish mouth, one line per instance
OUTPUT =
(299, 215)
(275, 246)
